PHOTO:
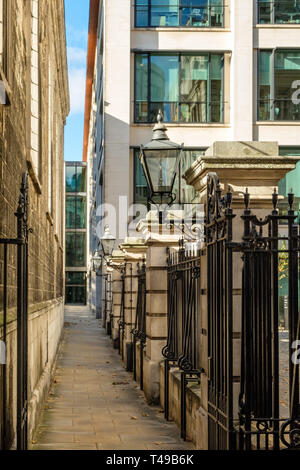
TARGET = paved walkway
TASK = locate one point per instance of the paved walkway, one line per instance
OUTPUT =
(94, 403)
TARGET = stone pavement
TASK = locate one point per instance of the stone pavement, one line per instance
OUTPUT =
(94, 403)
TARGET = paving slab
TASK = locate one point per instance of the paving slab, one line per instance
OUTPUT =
(87, 409)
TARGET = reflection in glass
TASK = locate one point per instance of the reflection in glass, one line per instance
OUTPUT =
(287, 71)
(279, 86)
(71, 179)
(75, 179)
(173, 13)
(186, 87)
(75, 212)
(141, 87)
(75, 249)
(279, 11)
(264, 84)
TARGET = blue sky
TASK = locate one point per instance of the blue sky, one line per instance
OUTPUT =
(77, 22)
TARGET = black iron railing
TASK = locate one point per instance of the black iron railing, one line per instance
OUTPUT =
(181, 349)
(219, 216)
(267, 254)
(17, 262)
(139, 330)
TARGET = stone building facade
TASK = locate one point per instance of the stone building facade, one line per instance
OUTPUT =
(33, 72)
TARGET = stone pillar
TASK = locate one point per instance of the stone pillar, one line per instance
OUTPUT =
(158, 239)
(240, 165)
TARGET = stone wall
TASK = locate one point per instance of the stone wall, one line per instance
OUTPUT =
(31, 138)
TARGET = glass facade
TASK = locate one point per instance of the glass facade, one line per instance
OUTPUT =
(279, 11)
(76, 288)
(75, 212)
(174, 13)
(75, 179)
(186, 87)
(185, 193)
(278, 81)
(76, 237)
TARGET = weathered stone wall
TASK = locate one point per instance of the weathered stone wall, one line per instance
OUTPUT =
(33, 119)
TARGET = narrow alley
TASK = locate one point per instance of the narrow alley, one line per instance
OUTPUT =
(94, 404)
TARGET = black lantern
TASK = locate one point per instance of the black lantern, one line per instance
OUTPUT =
(160, 160)
(97, 261)
(107, 242)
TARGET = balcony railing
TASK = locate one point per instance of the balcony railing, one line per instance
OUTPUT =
(181, 112)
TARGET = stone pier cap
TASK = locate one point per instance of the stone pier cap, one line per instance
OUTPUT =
(253, 165)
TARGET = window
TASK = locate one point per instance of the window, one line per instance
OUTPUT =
(185, 193)
(76, 288)
(75, 179)
(5, 35)
(75, 249)
(279, 11)
(75, 212)
(184, 13)
(279, 72)
(186, 87)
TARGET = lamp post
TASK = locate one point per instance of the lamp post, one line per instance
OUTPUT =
(97, 262)
(107, 242)
(160, 159)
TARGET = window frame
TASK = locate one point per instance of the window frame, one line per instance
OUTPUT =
(272, 98)
(272, 14)
(180, 7)
(180, 101)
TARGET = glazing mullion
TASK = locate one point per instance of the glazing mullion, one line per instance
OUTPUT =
(149, 86)
(179, 91)
(272, 87)
(272, 16)
(149, 13)
(208, 93)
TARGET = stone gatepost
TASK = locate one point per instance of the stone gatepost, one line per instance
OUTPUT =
(240, 165)
(134, 251)
(158, 239)
(116, 263)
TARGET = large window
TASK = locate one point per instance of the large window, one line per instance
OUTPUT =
(75, 212)
(278, 80)
(184, 13)
(75, 179)
(75, 288)
(185, 193)
(75, 249)
(279, 11)
(186, 87)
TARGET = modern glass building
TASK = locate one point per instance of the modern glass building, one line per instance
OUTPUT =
(76, 233)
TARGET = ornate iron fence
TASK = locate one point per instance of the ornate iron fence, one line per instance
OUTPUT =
(218, 232)
(267, 256)
(17, 292)
(181, 349)
(121, 321)
(139, 330)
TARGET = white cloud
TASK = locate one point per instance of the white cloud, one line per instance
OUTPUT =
(77, 77)
(76, 36)
(76, 56)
